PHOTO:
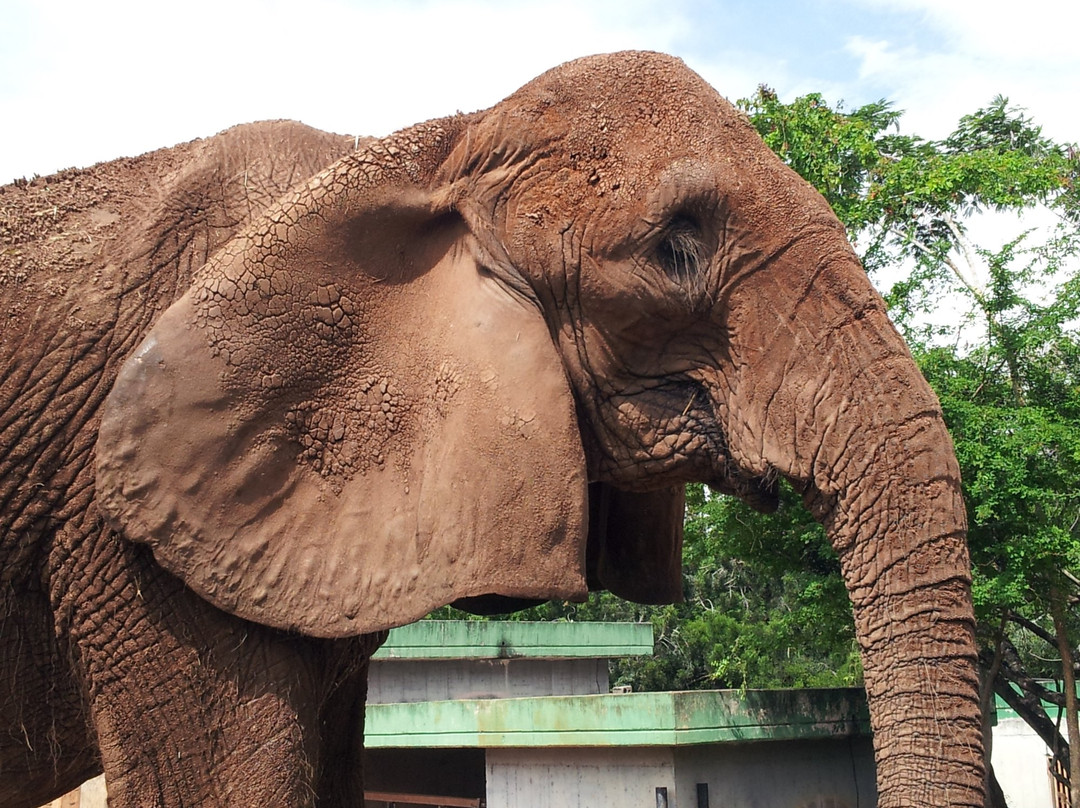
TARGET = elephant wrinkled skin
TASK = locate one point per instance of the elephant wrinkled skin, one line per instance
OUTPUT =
(269, 394)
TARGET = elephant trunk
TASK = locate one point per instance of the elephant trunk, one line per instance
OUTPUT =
(829, 396)
(898, 527)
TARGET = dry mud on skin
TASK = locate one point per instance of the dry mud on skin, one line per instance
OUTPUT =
(171, 208)
(88, 260)
(53, 230)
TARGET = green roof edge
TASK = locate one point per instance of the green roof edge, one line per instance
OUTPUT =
(476, 639)
(636, 719)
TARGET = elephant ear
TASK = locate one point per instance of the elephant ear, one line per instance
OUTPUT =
(635, 542)
(347, 421)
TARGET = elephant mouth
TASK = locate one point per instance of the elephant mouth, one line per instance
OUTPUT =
(659, 434)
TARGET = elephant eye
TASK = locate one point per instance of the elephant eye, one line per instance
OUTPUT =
(680, 251)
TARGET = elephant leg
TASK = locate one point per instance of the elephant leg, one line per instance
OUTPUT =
(192, 707)
(46, 748)
(341, 776)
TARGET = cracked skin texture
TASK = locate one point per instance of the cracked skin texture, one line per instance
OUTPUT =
(268, 394)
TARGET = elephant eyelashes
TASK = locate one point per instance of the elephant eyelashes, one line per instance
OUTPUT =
(680, 252)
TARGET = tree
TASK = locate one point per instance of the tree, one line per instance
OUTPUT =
(1006, 371)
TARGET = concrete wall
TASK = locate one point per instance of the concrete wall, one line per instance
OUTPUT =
(1019, 758)
(773, 774)
(779, 774)
(411, 681)
(579, 778)
(797, 774)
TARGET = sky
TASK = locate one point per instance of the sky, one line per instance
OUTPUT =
(82, 81)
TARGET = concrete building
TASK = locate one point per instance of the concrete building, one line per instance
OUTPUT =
(519, 715)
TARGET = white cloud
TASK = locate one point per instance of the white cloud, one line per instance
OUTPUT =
(876, 58)
(91, 81)
(971, 51)
(1040, 30)
(120, 77)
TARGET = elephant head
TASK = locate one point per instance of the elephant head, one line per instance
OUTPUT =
(482, 356)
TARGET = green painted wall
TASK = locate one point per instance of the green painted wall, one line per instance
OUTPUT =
(634, 719)
(475, 639)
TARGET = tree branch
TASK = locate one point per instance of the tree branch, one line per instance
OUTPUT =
(1072, 719)
(1030, 709)
(965, 250)
(980, 298)
(1012, 668)
(1034, 628)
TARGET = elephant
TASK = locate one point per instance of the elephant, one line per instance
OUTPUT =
(269, 394)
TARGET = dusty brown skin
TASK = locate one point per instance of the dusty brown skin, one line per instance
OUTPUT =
(105, 659)
(475, 360)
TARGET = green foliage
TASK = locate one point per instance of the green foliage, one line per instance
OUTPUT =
(1012, 404)
(1007, 369)
(833, 151)
(905, 197)
(765, 604)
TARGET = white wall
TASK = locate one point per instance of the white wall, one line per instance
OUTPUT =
(1019, 757)
(775, 774)
(90, 795)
